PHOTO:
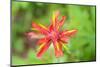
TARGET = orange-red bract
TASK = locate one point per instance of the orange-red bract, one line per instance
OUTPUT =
(52, 34)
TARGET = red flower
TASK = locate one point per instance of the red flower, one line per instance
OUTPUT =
(53, 34)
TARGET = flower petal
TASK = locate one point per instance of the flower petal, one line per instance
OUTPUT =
(33, 35)
(43, 40)
(55, 18)
(68, 33)
(40, 28)
(50, 28)
(62, 20)
(64, 39)
(60, 23)
(63, 44)
(43, 48)
(58, 49)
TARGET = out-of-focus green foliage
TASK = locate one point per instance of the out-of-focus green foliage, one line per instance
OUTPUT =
(82, 46)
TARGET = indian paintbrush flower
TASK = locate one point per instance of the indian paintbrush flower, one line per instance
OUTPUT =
(54, 35)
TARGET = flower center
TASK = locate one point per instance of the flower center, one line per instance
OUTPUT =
(54, 35)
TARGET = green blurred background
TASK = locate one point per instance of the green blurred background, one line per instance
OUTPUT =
(82, 47)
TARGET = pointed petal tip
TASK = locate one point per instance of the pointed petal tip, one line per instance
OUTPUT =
(69, 32)
(34, 24)
(59, 54)
(75, 30)
(64, 17)
(38, 56)
(72, 32)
